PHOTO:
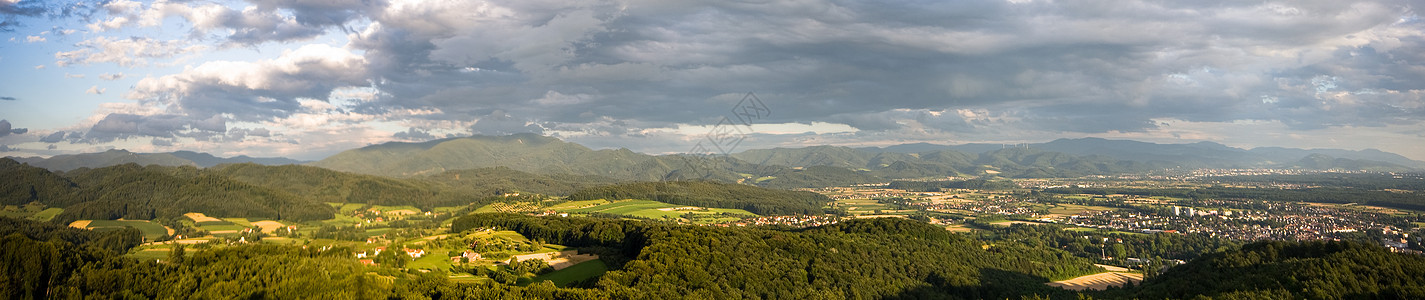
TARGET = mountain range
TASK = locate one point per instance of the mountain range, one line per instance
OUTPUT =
(71, 162)
(812, 166)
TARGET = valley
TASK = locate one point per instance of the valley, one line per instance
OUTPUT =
(583, 231)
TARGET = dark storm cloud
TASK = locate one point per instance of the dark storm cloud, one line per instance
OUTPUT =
(8, 98)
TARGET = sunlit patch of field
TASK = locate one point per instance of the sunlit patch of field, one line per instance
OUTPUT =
(1100, 281)
(269, 226)
(150, 230)
(659, 210)
(81, 224)
(200, 217)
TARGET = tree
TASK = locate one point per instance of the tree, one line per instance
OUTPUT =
(175, 255)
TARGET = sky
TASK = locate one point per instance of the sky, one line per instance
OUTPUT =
(308, 78)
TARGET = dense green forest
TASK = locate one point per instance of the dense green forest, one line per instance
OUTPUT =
(757, 200)
(288, 192)
(1293, 270)
(880, 258)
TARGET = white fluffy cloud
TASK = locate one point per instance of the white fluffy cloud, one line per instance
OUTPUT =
(126, 52)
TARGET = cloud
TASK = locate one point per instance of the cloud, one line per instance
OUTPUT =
(95, 90)
(113, 76)
(6, 129)
(251, 91)
(500, 123)
(67, 75)
(899, 70)
(264, 21)
(55, 137)
(38, 67)
(12, 11)
(413, 134)
(34, 39)
(7, 98)
(117, 126)
(126, 52)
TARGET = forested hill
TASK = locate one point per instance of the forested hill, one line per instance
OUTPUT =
(287, 192)
(1286, 270)
(143, 193)
(118, 157)
(757, 200)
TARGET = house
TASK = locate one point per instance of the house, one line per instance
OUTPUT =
(361, 255)
(368, 262)
(471, 255)
(415, 253)
(378, 250)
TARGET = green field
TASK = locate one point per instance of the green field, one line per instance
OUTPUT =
(1071, 209)
(150, 230)
(47, 214)
(33, 211)
(214, 226)
(574, 273)
(651, 209)
(577, 204)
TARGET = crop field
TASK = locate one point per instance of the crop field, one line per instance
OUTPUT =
(862, 206)
(581, 271)
(659, 210)
(578, 204)
(1098, 281)
(37, 212)
(200, 217)
(150, 230)
(1071, 209)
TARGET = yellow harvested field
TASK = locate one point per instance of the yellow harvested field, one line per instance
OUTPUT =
(1112, 268)
(222, 231)
(957, 228)
(200, 217)
(401, 212)
(268, 226)
(191, 241)
(1098, 281)
(81, 224)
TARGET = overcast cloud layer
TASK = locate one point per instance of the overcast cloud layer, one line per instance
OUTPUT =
(307, 78)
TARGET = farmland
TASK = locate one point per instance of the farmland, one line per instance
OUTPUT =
(150, 230)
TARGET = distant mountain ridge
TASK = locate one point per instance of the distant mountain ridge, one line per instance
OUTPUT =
(813, 166)
(70, 162)
(1199, 154)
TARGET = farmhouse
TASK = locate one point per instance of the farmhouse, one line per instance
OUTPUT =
(415, 253)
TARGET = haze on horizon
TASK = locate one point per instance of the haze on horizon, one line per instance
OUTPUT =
(308, 78)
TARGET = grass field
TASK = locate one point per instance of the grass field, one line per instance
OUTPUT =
(581, 271)
(47, 214)
(33, 211)
(150, 230)
(1071, 209)
(578, 204)
(659, 210)
(220, 227)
